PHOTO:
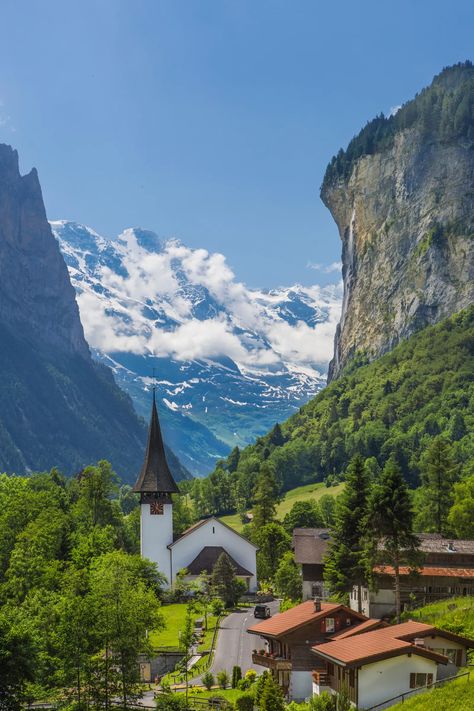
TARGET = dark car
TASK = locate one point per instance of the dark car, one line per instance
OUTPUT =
(262, 611)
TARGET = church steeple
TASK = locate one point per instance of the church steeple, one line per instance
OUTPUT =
(155, 479)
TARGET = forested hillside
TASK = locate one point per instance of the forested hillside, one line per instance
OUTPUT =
(395, 405)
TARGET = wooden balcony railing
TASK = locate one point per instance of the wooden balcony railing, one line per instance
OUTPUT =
(271, 662)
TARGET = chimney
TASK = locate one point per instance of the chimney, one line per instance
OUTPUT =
(317, 604)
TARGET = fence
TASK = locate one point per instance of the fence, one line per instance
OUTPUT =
(400, 699)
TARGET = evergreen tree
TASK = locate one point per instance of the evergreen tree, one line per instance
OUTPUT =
(271, 698)
(345, 564)
(223, 582)
(390, 521)
(461, 515)
(438, 474)
(233, 460)
(276, 436)
(266, 497)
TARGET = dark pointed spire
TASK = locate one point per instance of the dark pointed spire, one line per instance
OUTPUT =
(155, 476)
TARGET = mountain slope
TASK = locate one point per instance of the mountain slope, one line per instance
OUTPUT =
(232, 360)
(396, 404)
(402, 198)
(57, 406)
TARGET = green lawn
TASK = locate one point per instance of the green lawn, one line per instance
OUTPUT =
(228, 694)
(174, 616)
(455, 696)
(301, 493)
(455, 614)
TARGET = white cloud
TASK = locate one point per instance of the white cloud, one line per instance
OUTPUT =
(249, 327)
(326, 268)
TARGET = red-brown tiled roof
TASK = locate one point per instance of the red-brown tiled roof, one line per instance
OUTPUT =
(388, 641)
(427, 570)
(354, 630)
(296, 617)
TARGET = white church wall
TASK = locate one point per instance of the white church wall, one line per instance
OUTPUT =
(156, 533)
(214, 533)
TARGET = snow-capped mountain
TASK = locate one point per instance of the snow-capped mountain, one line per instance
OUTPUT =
(230, 361)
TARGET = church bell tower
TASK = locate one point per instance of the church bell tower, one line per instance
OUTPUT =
(155, 486)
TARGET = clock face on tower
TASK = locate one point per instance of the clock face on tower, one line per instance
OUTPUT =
(156, 508)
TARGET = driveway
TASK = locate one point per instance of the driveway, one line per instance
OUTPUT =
(234, 644)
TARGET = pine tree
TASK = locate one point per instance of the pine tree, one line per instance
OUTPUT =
(276, 436)
(390, 518)
(266, 497)
(223, 581)
(438, 474)
(345, 564)
(272, 696)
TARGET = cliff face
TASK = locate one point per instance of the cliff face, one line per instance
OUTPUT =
(37, 299)
(403, 199)
(57, 406)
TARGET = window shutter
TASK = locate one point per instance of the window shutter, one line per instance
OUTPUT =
(412, 681)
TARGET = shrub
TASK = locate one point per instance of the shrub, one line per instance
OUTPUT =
(171, 702)
(244, 703)
(323, 702)
(251, 675)
(236, 676)
(208, 680)
(223, 679)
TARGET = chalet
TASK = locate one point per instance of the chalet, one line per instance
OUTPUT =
(287, 640)
(198, 548)
(447, 571)
(310, 546)
(375, 666)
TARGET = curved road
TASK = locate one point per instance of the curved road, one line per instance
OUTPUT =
(234, 644)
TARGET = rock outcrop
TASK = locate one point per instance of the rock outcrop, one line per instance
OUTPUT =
(402, 196)
(57, 406)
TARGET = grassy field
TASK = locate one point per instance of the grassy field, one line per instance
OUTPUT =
(301, 493)
(174, 619)
(455, 615)
(455, 696)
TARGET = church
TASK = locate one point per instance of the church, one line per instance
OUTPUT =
(198, 548)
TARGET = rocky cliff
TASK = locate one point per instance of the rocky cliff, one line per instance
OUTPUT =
(57, 406)
(402, 195)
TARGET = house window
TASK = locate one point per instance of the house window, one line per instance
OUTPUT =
(330, 624)
(419, 680)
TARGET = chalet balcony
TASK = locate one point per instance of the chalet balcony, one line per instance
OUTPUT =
(271, 661)
(321, 677)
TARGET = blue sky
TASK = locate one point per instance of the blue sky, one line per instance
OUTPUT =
(212, 120)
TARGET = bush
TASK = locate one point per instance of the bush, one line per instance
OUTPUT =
(208, 680)
(171, 702)
(243, 684)
(236, 676)
(251, 675)
(323, 702)
(244, 703)
(223, 679)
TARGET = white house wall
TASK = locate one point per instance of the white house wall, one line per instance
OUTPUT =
(156, 533)
(213, 533)
(387, 678)
(301, 685)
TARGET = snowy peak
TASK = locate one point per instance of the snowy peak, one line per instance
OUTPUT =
(232, 359)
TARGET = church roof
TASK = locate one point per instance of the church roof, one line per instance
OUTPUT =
(155, 475)
(208, 557)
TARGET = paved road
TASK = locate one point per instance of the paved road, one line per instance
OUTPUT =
(234, 644)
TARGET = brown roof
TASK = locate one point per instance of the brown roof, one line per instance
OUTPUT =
(427, 570)
(434, 543)
(155, 476)
(354, 630)
(296, 617)
(207, 558)
(310, 545)
(388, 641)
(200, 523)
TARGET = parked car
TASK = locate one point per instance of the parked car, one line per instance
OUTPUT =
(262, 611)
